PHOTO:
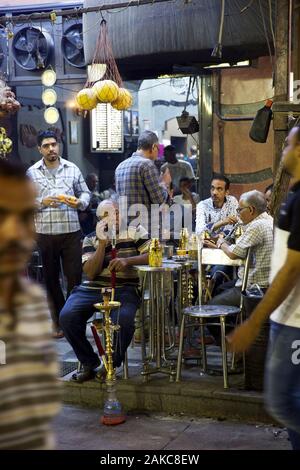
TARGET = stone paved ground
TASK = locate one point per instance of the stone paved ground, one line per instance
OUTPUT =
(79, 428)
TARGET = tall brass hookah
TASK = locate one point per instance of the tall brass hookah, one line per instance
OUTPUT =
(112, 413)
(186, 278)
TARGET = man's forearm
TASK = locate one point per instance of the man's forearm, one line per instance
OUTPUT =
(226, 248)
(93, 266)
(137, 260)
(283, 283)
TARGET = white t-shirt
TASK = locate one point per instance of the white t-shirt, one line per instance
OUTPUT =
(287, 236)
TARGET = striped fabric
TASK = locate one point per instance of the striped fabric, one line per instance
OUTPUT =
(67, 180)
(126, 248)
(29, 390)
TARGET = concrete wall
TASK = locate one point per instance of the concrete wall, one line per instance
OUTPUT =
(243, 91)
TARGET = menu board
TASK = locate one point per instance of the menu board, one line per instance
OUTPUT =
(106, 129)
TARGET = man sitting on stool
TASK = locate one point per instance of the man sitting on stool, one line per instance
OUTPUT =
(258, 236)
(98, 266)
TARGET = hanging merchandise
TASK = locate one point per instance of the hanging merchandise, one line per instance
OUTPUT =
(260, 127)
(124, 100)
(86, 99)
(104, 80)
(5, 143)
(8, 102)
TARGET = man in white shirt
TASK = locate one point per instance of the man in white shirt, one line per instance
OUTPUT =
(217, 213)
(178, 169)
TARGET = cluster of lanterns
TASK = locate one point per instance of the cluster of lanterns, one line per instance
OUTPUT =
(104, 91)
(49, 96)
(5, 143)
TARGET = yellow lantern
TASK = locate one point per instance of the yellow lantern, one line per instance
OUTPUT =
(124, 100)
(86, 99)
(106, 91)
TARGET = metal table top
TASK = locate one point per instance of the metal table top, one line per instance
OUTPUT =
(211, 311)
(166, 267)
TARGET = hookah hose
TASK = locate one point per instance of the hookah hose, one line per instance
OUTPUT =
(113, 277)
(99, 345)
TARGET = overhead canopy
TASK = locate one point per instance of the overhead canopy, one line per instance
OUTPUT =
(150, 40)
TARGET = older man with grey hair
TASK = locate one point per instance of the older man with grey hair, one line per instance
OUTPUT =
(258, 236)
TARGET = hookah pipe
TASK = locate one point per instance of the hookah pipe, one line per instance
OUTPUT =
(113, 256)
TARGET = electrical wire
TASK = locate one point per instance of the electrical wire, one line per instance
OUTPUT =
(267, 38)
(271, 26)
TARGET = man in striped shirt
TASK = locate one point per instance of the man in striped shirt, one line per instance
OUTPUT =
(62, 191)
(98, 265)
(29, 395)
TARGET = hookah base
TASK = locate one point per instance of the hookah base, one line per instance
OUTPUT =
(112, 420)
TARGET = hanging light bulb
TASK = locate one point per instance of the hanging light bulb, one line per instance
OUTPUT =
(49, 97)
(51, 115)
(48, 77)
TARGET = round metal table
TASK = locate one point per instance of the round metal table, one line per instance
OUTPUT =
(158, 282)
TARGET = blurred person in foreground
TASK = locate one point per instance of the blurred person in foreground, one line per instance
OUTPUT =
(29, 395)
(282, 304)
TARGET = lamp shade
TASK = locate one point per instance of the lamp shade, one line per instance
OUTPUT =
(48, 77)
(49, 97)
(51, 115)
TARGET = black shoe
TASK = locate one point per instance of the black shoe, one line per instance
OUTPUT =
(87, 373)
(84, 376)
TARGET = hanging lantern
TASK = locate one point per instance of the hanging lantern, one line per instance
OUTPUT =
(106, 91)
(51, 115)
(124, 100)
(96, 72)
(49, 97)
(86, 99)
(48, 77)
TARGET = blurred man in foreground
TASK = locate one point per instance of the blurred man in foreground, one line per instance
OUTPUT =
(282, 300)
(28, 385)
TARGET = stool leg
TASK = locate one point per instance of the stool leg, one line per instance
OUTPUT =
(125, 367)
(224, 352)
(203, 345)
(180, 349)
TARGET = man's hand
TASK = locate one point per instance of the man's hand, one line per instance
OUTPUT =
(230, 220)
(51, 201)
(243, 336)
(118, 264)
(166, 177)
(72, 202)
(101, 231)
(209, 244)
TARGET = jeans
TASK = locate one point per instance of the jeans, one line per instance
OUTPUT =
(282, 379)
(65, 247)
(80, 307)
